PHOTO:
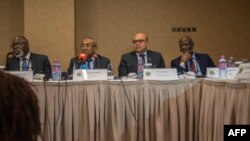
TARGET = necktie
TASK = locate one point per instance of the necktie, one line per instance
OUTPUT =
(141, 61)
(25, 65)
(192, 66)
(143, 58)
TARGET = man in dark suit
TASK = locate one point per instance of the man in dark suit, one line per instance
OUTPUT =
(92, 60)
(191, 61)
(130, 62)
(24, 60)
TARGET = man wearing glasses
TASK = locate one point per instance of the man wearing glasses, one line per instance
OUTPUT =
(24, 60)
(130, 62)
(92, 61)
(190, 61)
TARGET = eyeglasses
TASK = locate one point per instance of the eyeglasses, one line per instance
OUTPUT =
(139, 41)
(185, 44)
(86, 45)
(17, 44)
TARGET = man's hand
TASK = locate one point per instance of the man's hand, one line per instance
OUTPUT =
(185, 57)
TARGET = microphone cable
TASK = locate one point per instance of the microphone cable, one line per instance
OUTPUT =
(58, 101)
(63, 104)
(46, 110)
(130, 107)
(61, 108)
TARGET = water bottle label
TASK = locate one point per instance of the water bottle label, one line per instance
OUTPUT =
(222, 65)
(56, 72)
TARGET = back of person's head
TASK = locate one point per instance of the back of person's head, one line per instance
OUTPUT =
(9, 55)
(19, 112)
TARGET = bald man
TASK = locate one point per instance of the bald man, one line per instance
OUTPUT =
(38, 63)
(129, 61)
(191, 61)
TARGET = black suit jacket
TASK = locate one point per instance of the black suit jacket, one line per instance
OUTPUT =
(39, 64)
(203, 60)
(129, 62)
(100, 62)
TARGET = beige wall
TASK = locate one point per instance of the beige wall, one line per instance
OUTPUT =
(222, 26)
(56, 27)
(11, 23)
(50, 28)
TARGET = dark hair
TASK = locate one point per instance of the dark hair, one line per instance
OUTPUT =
(9, 55)
(19, 112)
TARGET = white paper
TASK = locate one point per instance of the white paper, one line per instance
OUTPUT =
(27, 75)
(243, 72)
(231, 72)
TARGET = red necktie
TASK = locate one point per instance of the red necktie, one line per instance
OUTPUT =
(192, 66)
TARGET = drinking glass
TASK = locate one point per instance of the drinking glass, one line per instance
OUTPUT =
(110, 68)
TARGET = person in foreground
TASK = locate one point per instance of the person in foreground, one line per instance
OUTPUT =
(191, 61)
(19, 120)
(129, 61)
(24, 60)
(88, 59)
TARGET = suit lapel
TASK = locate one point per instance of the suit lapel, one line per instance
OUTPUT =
(32, 62)
(96, 63)
(16, 63)
(134, 60)
(200, 62)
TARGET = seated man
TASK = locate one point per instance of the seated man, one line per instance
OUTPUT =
(130, 61)
(24, 60)
(190, 61)
(92, 60)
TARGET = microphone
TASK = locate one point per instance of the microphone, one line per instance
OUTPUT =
(82, 57)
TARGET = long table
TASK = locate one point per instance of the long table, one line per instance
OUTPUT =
(181, 110)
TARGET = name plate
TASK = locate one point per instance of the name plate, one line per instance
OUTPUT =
(95, 74)
(232, 72)
(213, 73)
(160, 74)
(243, 72)
(27, 75)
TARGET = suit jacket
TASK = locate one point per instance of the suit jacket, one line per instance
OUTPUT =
(203, 60)
(129, 62)
(100, 62)
(39, 64)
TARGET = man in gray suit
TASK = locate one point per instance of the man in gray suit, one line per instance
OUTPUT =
(92, 60)
(24, 60)
(130, 61)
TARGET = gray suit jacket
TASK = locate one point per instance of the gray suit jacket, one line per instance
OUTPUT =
(100, 62)
(39, 64)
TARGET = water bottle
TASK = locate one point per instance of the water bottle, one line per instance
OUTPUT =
(223, 67)
(231, 62)
(56, 71)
